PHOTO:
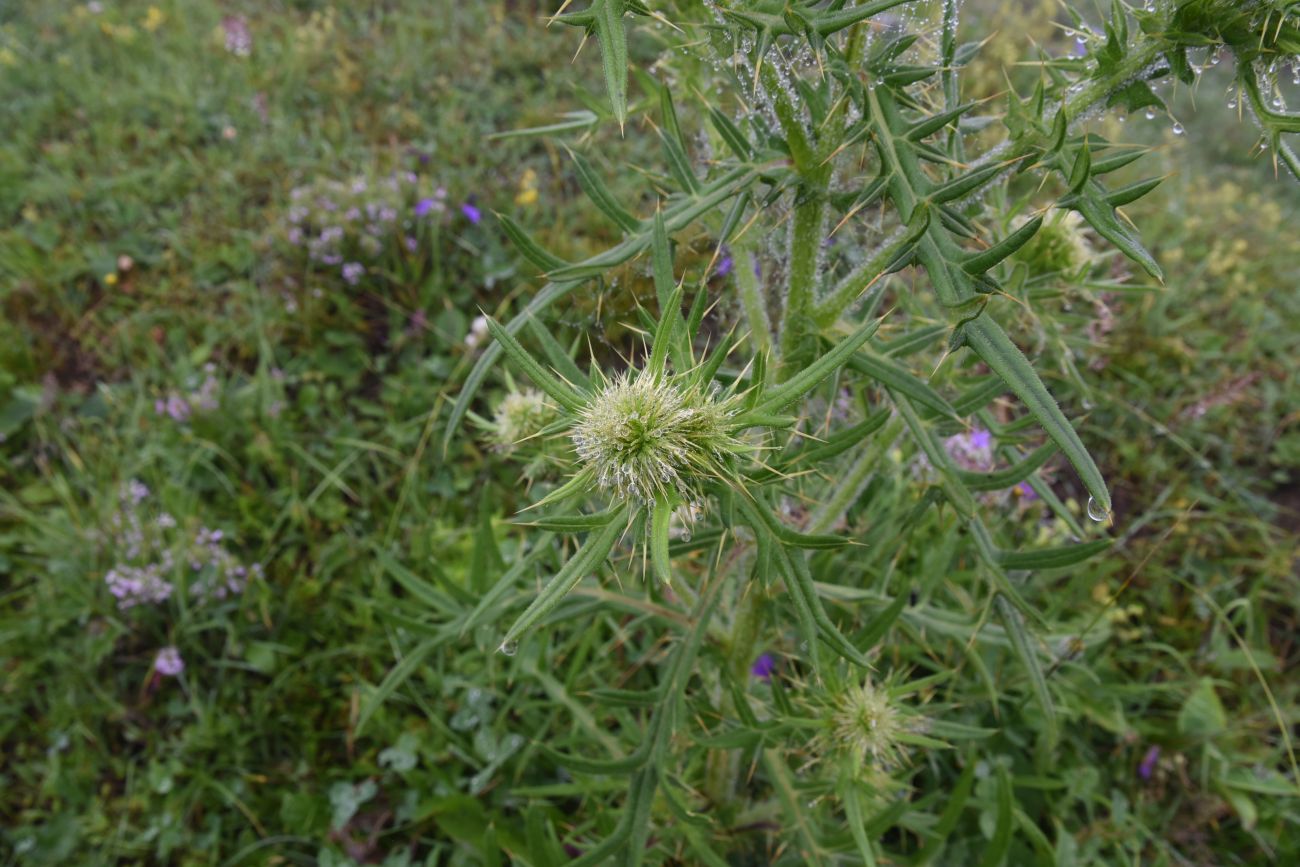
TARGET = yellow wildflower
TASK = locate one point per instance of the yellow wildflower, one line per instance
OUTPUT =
(110, 279)
(153, 19)
(8, 58)
(527, 188)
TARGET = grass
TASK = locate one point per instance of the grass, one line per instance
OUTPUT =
(351, 704)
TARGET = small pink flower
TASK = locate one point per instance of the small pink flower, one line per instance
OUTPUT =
(168, 662)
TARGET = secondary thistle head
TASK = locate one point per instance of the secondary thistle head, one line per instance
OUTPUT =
(647, 436)
(867, 725)
(521, 415)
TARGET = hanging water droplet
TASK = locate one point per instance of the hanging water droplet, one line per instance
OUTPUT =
(1277, 101)
(1096, 512)
(1151, 114)
(1178, 128)
(509, 648)
(1232, 102)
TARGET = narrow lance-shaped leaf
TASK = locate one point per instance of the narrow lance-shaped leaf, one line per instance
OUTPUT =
(1003, 479)
(1004, 358)
(559, 391)
(1023, 647)
(575, 120)
(612, 35)
(592, 553)
(660, 520)
(594, 186)
(807, 379)
(1052, 558)
(528, 248)
(984, 261)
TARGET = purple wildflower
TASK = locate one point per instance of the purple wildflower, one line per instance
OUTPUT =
(473, 214)
(352, 272)
(1148, 765)
(763, 667)
(426, 206)
(174, 406)
(239, 40)
(132, 585)
(411, 244)
(168, 662)
(1026, 492)
(971, 451)
(725, 264)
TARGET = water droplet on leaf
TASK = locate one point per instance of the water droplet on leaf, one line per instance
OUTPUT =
(1096, 512)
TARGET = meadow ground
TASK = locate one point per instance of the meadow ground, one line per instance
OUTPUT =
(187, 386)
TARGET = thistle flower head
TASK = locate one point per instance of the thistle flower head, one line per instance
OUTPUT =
(647, 436)
(1060, 245)
(519, 416)
(867, 725)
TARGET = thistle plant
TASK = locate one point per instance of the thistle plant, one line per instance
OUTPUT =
(840, 129)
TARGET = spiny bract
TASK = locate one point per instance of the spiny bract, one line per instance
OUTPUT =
(647, 436)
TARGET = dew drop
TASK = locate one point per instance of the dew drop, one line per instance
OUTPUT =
(1151, 114)
(1096, 512)
(510, 648)
(1178, 129)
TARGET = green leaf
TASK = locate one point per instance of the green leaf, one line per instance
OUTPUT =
(931, 125)
(528, 248)
(981, 262)
(1132, 192)
(398, 675)
(600, 195)
(1023, 647)
(777, 399)
(730, 133)
(571, 523)
(592, 553)
(1052, 558)
(1202, 715)
(557, 356)
(576, 120)
(612, 34)
(966, 184)
(1004, 479)
(897, 378)
(1004, 358)
(1000, 845)
(1101, 216)
(559, 391)
(659, 525)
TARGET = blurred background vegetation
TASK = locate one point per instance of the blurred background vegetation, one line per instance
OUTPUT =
(161, 325)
